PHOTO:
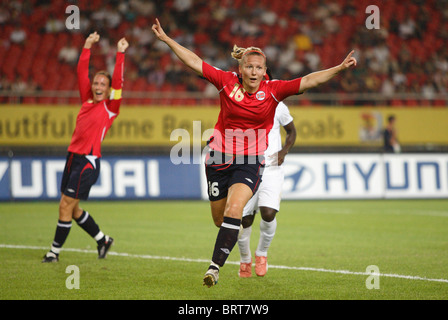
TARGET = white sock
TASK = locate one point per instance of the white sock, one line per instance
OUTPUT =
(267, 232)
(244, 245)
(55, 249)
(99, 236)
(214, 265)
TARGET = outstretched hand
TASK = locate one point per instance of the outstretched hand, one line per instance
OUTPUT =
(122, 45)
(158, 31)
(349, 61)
(91, 39)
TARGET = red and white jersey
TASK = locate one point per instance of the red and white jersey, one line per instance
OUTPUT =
(245, 119)
(95, 119)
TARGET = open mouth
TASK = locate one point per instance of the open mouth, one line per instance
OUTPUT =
(99, 96)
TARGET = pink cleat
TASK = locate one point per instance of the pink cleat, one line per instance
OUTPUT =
(245, 270)
(261, 266)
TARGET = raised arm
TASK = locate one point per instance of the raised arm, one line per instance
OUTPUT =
(83, 68)
(118, 76)
(189, 58)
(317, 78)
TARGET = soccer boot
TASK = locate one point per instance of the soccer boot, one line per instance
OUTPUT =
(50, 257)
(211, 277)
(104, 248)
(245, 270)
(261, 265)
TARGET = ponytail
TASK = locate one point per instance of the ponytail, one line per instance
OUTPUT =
(238, 53)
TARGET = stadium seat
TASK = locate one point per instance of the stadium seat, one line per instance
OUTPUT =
(412, 103)
(36, 59)
(440, 103)
(396, 103)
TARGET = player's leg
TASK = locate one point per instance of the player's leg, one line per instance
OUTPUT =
(245, 270)
(243, 181)
(244, 237)
(64, 224)
(239, 194)
(88, 224)
(269, 204)
(249, 212)
(66, 205)
(268, 226)
(217, 208)
(237, 197)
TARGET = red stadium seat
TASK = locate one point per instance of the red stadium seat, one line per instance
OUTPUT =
(412, 103)
(440, 103)
(37, 58)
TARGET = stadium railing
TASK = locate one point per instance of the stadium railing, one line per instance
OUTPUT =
(175, 98)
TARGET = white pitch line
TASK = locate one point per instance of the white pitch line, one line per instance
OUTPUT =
(151, 257)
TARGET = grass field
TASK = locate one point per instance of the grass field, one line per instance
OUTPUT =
(321, 251)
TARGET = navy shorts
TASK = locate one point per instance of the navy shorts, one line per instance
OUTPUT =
(79, 176)
(224, 170)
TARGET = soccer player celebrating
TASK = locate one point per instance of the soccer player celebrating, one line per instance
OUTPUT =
(100, 106)
(236, 156)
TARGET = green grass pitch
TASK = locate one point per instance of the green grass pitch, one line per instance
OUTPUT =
(162, 248)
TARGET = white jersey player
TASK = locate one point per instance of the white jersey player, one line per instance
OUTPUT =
(268, 196)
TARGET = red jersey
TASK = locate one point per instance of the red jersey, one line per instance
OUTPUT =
(245, 119)
(95, 119)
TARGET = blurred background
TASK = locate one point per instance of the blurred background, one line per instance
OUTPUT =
(402, 64)
(402, 70)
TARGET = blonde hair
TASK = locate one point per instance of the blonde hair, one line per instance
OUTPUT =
(238, 53)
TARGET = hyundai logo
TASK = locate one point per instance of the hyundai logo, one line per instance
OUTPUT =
(298, 177)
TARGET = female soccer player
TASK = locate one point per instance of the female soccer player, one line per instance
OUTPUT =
(237, 146)
(100, 106)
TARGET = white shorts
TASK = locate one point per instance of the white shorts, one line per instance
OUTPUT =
(269, 193)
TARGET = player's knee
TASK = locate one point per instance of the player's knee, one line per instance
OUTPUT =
(247, 221)
(66, 207)
(234, 210)
(268, 214)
